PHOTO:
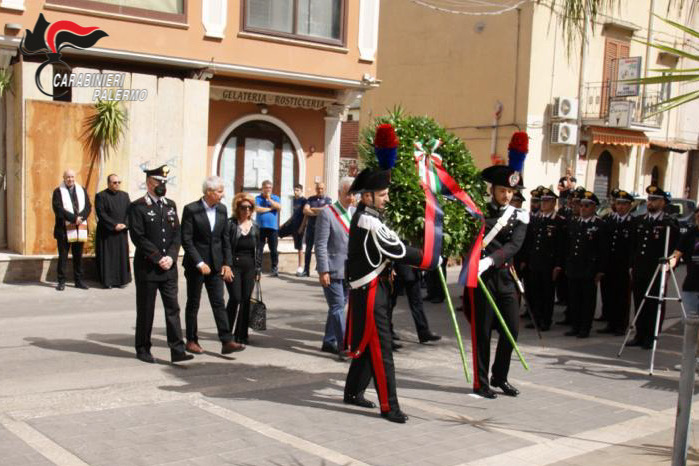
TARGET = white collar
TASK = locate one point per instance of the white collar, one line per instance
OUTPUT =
(206, 206)
(586, 220)
(655, 216)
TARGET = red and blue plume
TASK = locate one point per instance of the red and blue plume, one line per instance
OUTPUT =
(386, 146)
(517, 151)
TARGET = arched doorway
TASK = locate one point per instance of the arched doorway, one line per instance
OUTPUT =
(603, 175)
(255, 151)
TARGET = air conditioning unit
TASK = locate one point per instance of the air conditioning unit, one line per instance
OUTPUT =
(565, 108)
(564, 133)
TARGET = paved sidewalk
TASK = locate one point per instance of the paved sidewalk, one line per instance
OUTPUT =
(73, 393)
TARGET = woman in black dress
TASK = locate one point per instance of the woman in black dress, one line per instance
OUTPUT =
(244, 235)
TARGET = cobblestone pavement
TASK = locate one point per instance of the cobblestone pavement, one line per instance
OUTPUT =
(72, 392)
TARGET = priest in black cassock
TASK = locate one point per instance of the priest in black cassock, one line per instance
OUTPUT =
(111, 242)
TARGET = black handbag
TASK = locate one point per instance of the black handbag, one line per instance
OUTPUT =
(258, 310)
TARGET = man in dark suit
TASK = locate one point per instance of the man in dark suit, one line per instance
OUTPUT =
(155, 231)
(207, 261)
(71, 205)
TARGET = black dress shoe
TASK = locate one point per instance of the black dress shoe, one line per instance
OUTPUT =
(635, 342)
(429, 336)
(395, 415)
(61, 286)
(647, 345)
(180, 356)
(505, 386)
(358, 400)
(545, 327)
(583, 335)
(396, 346)
(328, 348)
(485, 392)
(606, 330)
(395, 337)
(145, 357)
(564, 322)
(81, 285)
(571, 333)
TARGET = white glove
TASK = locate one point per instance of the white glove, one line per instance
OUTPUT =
(484, 264)
(440, 262)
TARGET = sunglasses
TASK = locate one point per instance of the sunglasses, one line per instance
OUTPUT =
(245, 207)
(115, 182)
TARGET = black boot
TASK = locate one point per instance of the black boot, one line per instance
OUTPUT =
(358, 400)
(505, 386)
(395, 415)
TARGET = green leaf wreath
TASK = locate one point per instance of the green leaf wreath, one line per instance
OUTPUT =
(406, 209)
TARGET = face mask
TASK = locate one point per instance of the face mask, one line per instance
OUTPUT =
(160, 190)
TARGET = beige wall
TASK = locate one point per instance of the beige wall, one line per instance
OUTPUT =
(440, 65)
(189, 42)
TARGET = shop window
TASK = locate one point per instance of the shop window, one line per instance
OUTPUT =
(313, 20)
(167, 10)
(255, 152)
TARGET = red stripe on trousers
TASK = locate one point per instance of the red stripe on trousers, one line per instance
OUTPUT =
(474, 343)
(379, 371)
(369, 325)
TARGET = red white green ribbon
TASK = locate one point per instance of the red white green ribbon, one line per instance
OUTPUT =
(342, 215)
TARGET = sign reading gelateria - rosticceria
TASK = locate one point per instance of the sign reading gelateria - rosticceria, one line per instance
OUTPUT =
(252, 96)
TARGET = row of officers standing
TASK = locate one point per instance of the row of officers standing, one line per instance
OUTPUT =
(570, 251)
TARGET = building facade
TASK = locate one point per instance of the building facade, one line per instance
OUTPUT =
(486, 76)
(248, 90)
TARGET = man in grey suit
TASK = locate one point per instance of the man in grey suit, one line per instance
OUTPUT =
(331, 236)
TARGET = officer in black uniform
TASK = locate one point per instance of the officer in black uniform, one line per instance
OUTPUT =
(585, 264)
(544, 249)
(155, 231)
(493, 267)
(648, 245)
(609, 218)
(616, 284)
(569, 212)
(535, 200)
(371, 250)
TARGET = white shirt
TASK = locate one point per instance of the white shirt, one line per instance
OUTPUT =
(656, 215)
(588, 219)
(211, 213)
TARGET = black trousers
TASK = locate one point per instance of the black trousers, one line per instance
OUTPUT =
(619, 282)
(214, 289)
(271, 237)
(541, 295)
(645, 324)
(310, 240)
(434, 284)
(377, 359)
(239, 292)
(502, 288)
(562, 288)
(414, 295)
(77, 249)
(607, 292)
(582, 301)
(145, 309)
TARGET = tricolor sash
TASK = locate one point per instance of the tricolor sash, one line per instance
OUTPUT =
(341, 215)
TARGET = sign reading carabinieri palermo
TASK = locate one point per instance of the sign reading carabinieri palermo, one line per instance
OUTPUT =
(251, 96)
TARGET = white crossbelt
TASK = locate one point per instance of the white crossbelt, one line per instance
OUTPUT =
(502, 221)
(360, 282)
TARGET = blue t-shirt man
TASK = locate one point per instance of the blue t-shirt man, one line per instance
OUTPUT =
(268, 219)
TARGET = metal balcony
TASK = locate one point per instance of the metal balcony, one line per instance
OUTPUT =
(596, 98)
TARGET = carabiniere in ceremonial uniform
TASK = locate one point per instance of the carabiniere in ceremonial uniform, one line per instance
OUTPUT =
(505, 230)
(155, 231)
(544, 250)
(372, 248)
(648, 245)
(586, 261)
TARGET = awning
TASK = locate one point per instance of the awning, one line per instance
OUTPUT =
(671, 145)
(618, 136)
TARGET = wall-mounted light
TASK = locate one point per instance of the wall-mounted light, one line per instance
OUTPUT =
(311, 149)
(263, 108)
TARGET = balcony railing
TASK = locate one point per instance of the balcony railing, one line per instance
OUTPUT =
(596, 98)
